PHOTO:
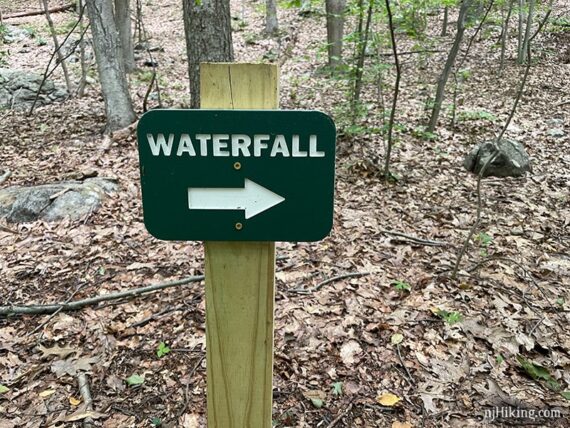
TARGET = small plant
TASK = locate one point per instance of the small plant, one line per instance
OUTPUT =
(402, 286)
(485, 241)
(477, 115)
(337, 388)
(449, 317)
(162, 350)
(156, 422)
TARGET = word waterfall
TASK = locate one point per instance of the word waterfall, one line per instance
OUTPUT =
(234, 145)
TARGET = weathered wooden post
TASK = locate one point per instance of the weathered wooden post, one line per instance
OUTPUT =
(239, 175)
(240, 278)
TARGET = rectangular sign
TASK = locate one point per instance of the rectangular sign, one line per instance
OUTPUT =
(237, 175)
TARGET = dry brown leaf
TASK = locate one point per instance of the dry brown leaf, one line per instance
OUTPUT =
(397, 424)
(189, 420)
(56, 350)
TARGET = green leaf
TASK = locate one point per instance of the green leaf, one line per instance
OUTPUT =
(500, 359)
(156, 422)
(402, 285)
(135, 380)
(337, 388)
(566, 394)
(450, 317)
(162, 350)
(3, 389)
(538, 372)
(317, 402)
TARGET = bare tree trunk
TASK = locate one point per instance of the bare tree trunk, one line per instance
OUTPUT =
(123, 21)
(445, 21)
(529, 20)
(208, 38)
(335, 30)
(60, 58)
(361, 54)
(271, 22)
(387, 174)
(82, 59)
(118, 104)
(520, 38)
(442, 81)
(504, 36)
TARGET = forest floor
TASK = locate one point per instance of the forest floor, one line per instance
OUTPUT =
(449, 351)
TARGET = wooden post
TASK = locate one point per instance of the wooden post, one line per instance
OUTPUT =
(240, 278)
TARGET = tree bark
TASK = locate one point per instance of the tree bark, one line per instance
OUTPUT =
(335, 30)
(207, 25)
(56, 45)
(442, 81)
(504, 36)
(271, 22)
(123, 21)
(445, 21)
(520, 37)
(529, 19)
(110, 64)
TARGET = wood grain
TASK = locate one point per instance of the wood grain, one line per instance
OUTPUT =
(240, 279)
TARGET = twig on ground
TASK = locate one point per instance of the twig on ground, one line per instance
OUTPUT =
(41, 12)
(427, 242)
(408, 374)
(86, 396)
(39, 327)
(478, 216)
(340, 416)
(328, 281)
(5, 176)
(155, 316)
(71, 306)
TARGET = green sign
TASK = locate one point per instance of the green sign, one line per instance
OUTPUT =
(237, 175)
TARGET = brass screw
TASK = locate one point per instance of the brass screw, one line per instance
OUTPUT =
(237, 166)
(239, 226)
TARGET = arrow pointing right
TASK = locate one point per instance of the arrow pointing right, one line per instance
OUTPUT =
(252, 198)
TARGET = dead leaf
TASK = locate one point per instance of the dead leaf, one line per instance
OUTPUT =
(71, 366)
(82, 414)
(388, 399)
(317, 397)
(47, 393)
(397, 424)
(74, 401)
(56, 350)
(119, 420)
(189, 421)
(349, 352)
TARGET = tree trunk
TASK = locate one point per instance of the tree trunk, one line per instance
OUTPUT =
(529, 20)
(442, 81)
(445, 21)
(271, 23)
(335, 30)
(504, 36)
(208, 38)
(520, 37)
(57, 47)
(123, 21)
(118, 104)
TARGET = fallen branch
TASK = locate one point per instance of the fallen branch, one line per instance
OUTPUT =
(5, 176)
(563, 103)
(86, 396)
(340, 416)
(78, 304)
(328, 281)
(427, 242)
(41, 12)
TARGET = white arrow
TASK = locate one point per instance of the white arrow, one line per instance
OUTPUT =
(252, 198)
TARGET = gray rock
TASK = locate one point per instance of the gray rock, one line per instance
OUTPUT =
(18, 89)
(15, 34)
(54, 202)
(512, 161)
(556, 132)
